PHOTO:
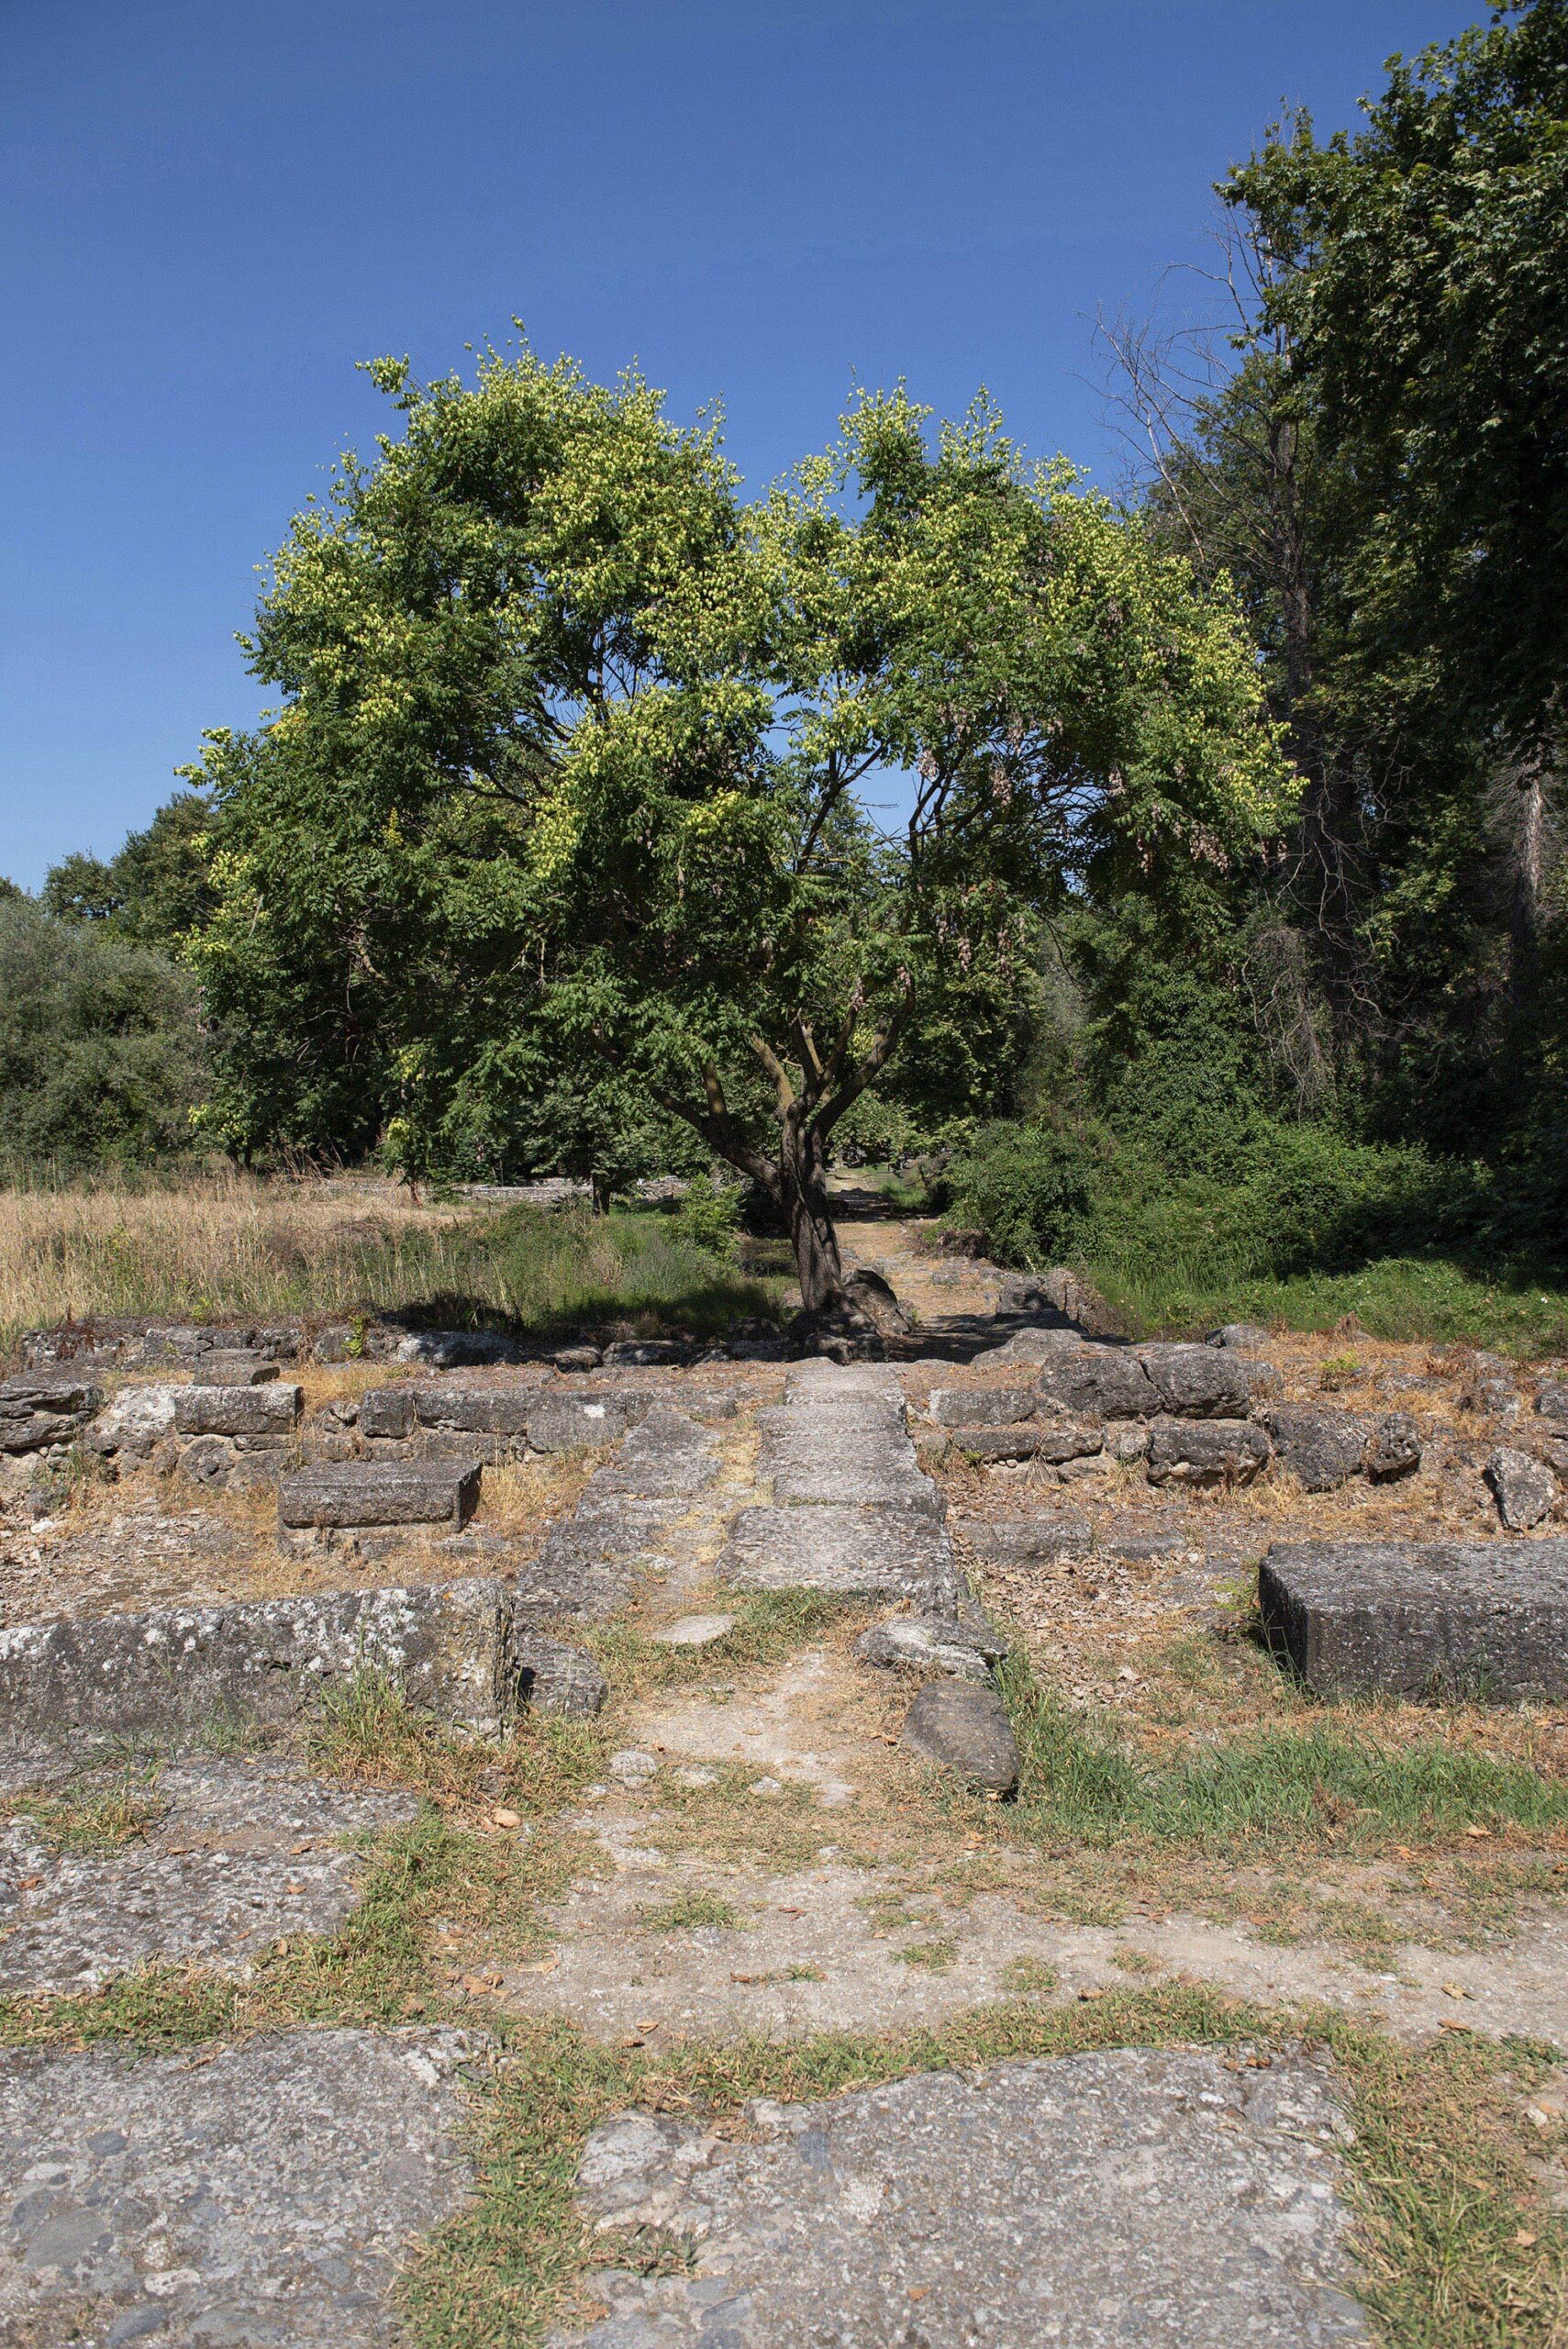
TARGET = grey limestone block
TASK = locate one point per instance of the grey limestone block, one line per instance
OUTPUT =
(981, 1407)
(137, 1418)
(1487, 1619)
(1027, 1538)
(549, 1676)
(1245, 1337)
(1198, 1382)
(965, 1729)
(1323, 1449)
(1205, 1452)
(236, 1366)
(43, 1408)
(1053, 1440)
(1099, 1382)
(1175, 2199)
(387, 1413)
(568, 1422)
(238, 1411)
(928, 1644)
(351, 1493)
(173, 1669)
(1392, 1449)
(1525, 1490)
(1551, 1403)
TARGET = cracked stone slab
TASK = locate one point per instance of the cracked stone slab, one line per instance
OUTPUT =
(855, 1553)
(1489, 1617)
(261, 2193)
(234, 1854)
(1168, 2197)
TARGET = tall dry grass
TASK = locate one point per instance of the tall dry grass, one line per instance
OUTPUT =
(229, 1246)
(211, 1246)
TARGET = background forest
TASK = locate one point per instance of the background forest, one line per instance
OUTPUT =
(1342, 1054)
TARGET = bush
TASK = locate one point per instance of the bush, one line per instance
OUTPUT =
(1033, 1190)
(101, 1048)
(709, 1220)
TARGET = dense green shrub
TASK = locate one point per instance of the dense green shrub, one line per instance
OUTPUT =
(709, 1219)
(1293, 1197)
(1035, 1190)
(101, 1050)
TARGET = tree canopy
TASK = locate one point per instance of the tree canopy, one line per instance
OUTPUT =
(697, 798)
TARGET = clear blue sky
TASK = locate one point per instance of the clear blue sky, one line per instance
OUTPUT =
(211, 210)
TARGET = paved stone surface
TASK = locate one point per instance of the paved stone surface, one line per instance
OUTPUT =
(233, 1854)
(964, 1728)
(260, 2196)
(856, 1552)
(693, 1631)
(1096, 2200)
(1488, 1618)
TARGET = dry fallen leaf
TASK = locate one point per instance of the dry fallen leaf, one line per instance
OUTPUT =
(1524, 2238)
(508, 1818)
(1454, 1990)
(1480, 1831)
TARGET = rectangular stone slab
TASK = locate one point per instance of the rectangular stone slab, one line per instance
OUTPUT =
(238, 1411)
(172, 1669)
(357, 1493)
(868, 1552)
(1487, 1619)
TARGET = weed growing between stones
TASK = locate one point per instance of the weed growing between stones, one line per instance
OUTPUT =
(1457, 2246)
(769, 1627)
(689, 1908)
(366, 1732)
(94, 1820)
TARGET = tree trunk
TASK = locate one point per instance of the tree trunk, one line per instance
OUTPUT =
(599, 1191)
(803, 1199)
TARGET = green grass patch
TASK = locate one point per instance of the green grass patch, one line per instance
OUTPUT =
(94, 1818)
(769, 1627)
(1321, 1785)
(1407, 1299)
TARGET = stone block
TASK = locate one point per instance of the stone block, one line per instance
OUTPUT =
(928, 1643)
(1551, 1403)
(547, 1676)
(39, 1411)
(174, 1669)
(1486, 1620)
(1392, 1449)
(1031, 1346)
(1322, 1449)
(1524, 1490)
(644, 1353)
(354, 1494)
(558, 1422)
(1052, 1440)
(476, 1410)
(134, 1423)
(1027, 1540)
(238, 1411)
(387, 1414)
(1245, 1337)
(981, 1407)
(236, 1367)
(1096, 1381)
(964, 1727)
(1198, 1382)
(1205, 1452)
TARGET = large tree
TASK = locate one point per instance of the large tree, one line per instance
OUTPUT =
(713, 796)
